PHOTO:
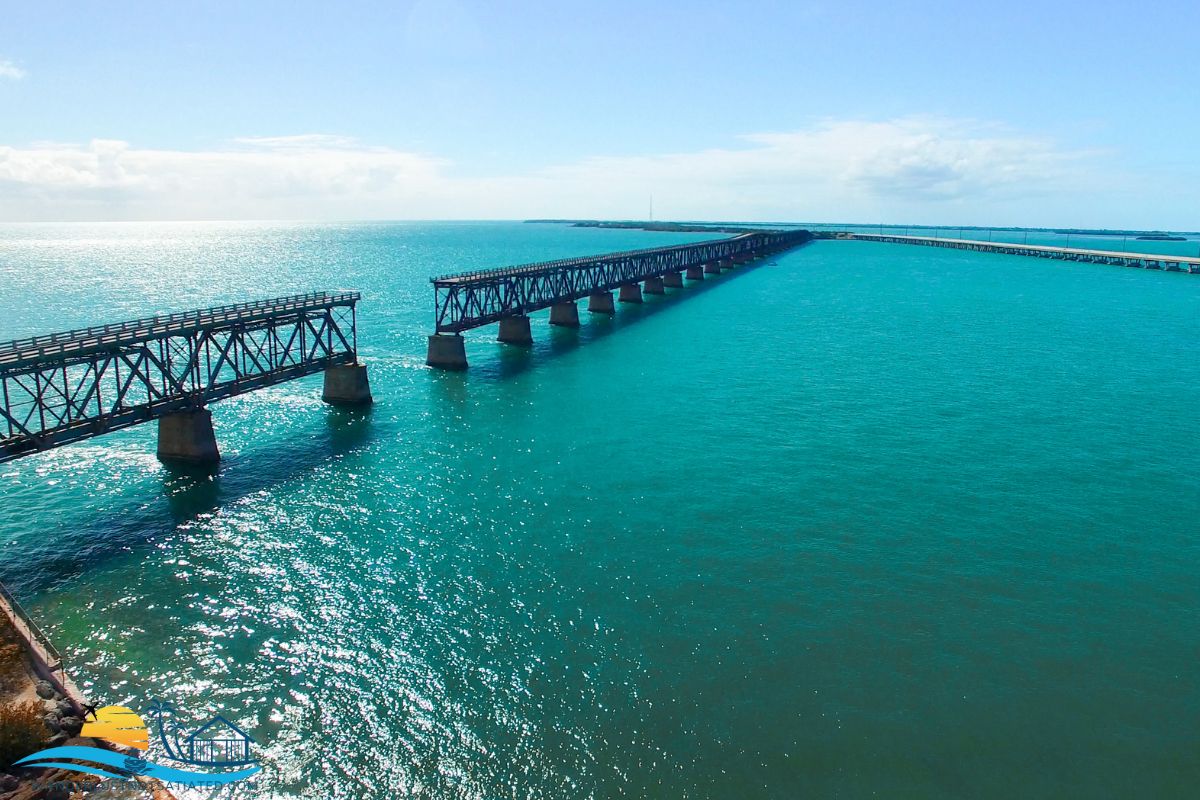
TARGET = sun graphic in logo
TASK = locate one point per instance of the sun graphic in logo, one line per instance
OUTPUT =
(119, 725)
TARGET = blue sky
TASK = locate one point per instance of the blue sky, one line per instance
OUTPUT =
(1054, 113)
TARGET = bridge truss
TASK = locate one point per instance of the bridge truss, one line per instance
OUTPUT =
(470, 300)
(65, 387)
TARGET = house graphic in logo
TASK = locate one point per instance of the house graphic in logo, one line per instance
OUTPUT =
(216, 743)
(219, 741)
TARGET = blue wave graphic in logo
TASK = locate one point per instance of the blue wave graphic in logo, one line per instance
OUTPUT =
(126, 766)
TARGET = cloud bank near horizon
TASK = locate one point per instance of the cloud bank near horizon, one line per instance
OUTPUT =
(912, 169)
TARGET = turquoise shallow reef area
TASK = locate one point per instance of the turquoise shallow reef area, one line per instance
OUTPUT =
(880, 520)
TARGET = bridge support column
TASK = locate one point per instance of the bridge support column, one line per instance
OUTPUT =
(446, 352)
(601, 303)
(712, 268)
(565, 314)
(188, 437)
(696, 273)
(674, 280)
(653, 286)
(515, 330)
(347, 385)
(630, 293)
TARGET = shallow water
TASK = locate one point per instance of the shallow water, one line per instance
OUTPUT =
(880, 519)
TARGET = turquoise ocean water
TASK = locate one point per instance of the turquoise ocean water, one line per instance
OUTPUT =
(881, 520)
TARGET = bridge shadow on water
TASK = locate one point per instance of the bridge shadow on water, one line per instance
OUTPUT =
(553, 341)
(84, 541)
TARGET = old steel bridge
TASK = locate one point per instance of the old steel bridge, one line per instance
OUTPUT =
(508, 295)
(65, 387)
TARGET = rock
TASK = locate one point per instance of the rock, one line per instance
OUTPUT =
(58, 739)
(57, 792)
(72, 725)
(44, 690)
(65, 709)
(8, 783)
(53, 723)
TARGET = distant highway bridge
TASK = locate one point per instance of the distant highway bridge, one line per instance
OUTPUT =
(508, 295)
(66, 387)
(1113, 257)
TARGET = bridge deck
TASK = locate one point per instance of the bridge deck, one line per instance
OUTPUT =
(1068, 253)
(83, 341)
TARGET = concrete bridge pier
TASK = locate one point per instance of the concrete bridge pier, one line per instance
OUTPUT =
(674, 280)
(565, 314)
(695, 273)
(446, 352)
(188, 437)
(653, 286)
(347, 385)
(712, 268)
(601, 303)
(515, 330)
(630, 293)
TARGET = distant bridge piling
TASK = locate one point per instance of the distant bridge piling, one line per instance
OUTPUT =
(601, 303)
(515, 330)
(565, 314)
(447, 351)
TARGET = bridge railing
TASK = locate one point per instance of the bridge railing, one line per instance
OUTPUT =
(48, 344)
(35, 638)
(462, 277)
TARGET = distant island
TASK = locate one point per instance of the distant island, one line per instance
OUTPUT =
(661, 227)
(1162, 237)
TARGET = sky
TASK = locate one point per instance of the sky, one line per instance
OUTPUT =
(1051, 113)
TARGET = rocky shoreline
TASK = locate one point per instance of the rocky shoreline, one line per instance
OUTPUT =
(41, 707)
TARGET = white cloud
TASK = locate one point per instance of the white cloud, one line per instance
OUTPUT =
(10, 70)
(909, 169)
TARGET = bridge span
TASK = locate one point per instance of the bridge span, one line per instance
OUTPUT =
(509, 294)
(66, 387)
(1117, 258)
